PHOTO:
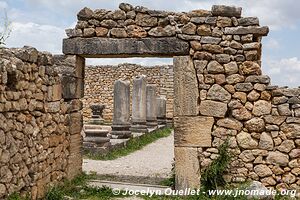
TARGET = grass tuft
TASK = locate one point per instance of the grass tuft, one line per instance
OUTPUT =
(132, 145)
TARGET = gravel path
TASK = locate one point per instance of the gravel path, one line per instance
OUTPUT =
(154, 160)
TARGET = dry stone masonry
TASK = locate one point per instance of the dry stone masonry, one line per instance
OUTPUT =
(40, 129)
(219, 90)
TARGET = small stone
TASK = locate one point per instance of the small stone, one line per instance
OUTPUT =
(234, 78)
(253, 96)
(286, 146)
(243, 87)
(101, 31)
(108, 23)
(162, 31)
(250, 68)
(216, 92)
(245, 141)
(224, 22)
(263, 170)
(223, 58)
(241, 96)
(247, 156)
(262, 107)
(227, 11)
(251, 46)
(210, 40)
(248, 21)
(118, 32)
(145, 20)
(202, 55)
(213, 48)
(265, 95)
(295, 153)
(259, 31)
(204, 30)
(278, 158)
(85, 14)
(230, 123)
(189, 29)
(284, 109)
(231, 68)
(214, 67)
(116, 15)
(258, 79)
(235, 45)
(136, 31)
(255, 125)
(288, 178)
(126, 7)
(259, 191)
(266, 141)
(241, 114)
(213, 108)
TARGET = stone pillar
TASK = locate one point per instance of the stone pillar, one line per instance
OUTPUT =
(139, 105)
(151, 113)
(161, 103)
(121, 123)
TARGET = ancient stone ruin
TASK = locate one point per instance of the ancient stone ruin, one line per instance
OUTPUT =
(219, 93)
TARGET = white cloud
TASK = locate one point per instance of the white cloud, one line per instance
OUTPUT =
(284, 71)
(43, 37)
(3, 5)
(271, 43)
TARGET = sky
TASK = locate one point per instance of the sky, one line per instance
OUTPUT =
(41, 24)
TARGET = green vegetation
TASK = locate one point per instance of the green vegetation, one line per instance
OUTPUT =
(132, 145)
(5, 29)
(212, 177)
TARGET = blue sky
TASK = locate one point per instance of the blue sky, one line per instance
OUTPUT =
(41, 23)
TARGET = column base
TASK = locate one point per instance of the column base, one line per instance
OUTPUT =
(139, 128)
(152, 124)
(162, 121)
(121, 131)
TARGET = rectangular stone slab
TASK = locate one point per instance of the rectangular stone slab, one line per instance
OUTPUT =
(125, 47)
(193, 131)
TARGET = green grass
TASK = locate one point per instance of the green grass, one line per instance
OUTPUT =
(132, 145)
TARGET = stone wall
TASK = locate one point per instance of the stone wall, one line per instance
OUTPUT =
(219, 90)
(36, 141)
(99, 83)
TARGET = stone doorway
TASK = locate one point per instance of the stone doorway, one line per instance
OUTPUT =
(184, 72)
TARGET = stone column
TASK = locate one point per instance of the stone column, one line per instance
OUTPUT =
(151, 113)
(121, 123)
(161, 103)
(139, 105)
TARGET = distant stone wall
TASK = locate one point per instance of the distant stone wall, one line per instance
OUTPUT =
(36, 142)
(99, 84)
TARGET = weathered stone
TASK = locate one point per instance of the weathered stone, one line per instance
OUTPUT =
(126, 7)
(251, 46)
(161, 110)
(202, 55)
(295, 153)
(196, 45)
(121, 123)
(85, 14)
(243, 87)
(284, 110)
(227, 11)
(248, 21)
(189, 29)
(204, 30)
(116, 15)
(101, 31)
(210, 40)
(224, 22)
(118, 32)
(289, 92)
(259, 191)
(231, 68)
(247, 156)
(214, 67)
(263, 170)
(266, 141)
(213, 48)
(241, 114)
(286, 146)
(115, 47)
(186, 159)
(250, 68)
(151, 111)
(277, 158)
(230, 123)
(253, 96)
(197, 20)
(235, 45)
(262, 107)
(258, 79)
(166, 31)
(139, 105)
(216, 92)
(193, 131)
(185, 87)
(235, 78)
(278, 120)
(200, 65)
(136, 31)
(259, 31)
(245, 141)
(108, 23)
(74, 33)
(255, 125)
(251, 55)
(213, 108)
(145, 20)
(222, 58)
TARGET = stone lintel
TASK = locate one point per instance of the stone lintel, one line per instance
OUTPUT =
(125, 47)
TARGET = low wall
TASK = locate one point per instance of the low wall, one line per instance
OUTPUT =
(36, 143)
(99, 84)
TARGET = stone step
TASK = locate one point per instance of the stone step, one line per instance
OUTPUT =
(96, 140)
(96, 132)
(92, 126)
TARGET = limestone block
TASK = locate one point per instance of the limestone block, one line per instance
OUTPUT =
(213, 108)
(193, 131)
(226, 11)
(187, 168)
(186, 91)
